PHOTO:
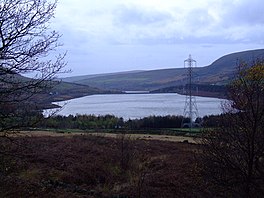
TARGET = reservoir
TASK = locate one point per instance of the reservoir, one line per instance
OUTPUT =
(133, 106)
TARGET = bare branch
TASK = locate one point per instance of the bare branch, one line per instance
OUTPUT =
(27, 47)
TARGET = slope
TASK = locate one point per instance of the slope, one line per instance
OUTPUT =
(48, 91)
(219, 72)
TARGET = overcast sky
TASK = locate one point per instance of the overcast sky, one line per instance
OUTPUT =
(103, 36)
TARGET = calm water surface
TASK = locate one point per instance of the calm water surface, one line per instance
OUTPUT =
(137, 105)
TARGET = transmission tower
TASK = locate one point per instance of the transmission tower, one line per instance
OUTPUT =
(190, 109)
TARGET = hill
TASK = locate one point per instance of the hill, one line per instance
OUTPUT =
(141, 80)
(61, 91)
(80, 78)
(220, 72)
(52, 91)
(65, 91)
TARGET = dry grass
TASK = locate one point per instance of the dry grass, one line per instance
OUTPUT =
(111, 135)
(59, 165)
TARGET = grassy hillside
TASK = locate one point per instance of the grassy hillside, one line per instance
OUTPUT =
(146, 80)
(50, 92)
(219, 72)
(65, 91)
(215, 91)
(81, 78)
(223, 69)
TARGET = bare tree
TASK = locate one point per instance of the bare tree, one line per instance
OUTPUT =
(28, 58)
(233, 154)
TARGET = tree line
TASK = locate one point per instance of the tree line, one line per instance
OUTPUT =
(85, 122)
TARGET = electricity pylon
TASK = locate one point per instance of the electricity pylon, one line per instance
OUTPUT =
(190, 108)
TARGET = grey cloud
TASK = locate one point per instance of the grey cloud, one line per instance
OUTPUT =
(245, 19)
(132, 15)
(190, 39)
(245, 13)
(199, 18)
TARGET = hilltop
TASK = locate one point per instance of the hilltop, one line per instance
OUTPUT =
(220, 72)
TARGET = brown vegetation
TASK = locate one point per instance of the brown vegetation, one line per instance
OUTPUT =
(92, 166)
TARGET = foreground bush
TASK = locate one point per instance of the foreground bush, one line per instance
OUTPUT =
(233, 154)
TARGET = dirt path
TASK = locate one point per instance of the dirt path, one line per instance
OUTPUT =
(112, 135)
(150, 137)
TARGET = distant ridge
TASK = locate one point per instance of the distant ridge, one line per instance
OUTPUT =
(83, 77)
(230, 61)
(220, 72)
